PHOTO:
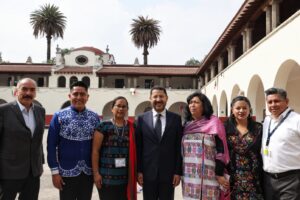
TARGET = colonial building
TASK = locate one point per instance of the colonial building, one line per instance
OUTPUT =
(105, 78)
(258, 49)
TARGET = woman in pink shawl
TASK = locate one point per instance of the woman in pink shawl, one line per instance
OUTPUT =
(204, 151)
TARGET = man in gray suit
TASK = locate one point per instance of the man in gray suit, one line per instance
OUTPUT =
(21, 152)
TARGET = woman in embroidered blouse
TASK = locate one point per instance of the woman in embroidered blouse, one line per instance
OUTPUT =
(203, 147)
(114, 155)
(244, 143)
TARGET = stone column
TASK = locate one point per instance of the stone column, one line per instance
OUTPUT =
(134, 82)
(200, 82)
(167, 82)
(268, 19)
(231, 53)
(194, 83)
(244, 35)
(247, 39)
(220, 64)
(45, 81)
(161, 81)
(129, 82)
(102, 81)
(275, 14)
(206, 77)
(212, 71)
(12, 82)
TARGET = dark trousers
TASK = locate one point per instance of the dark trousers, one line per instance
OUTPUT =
(283, 188)
(154, 190)
(77, 188)
(27, 188)
(113, 192)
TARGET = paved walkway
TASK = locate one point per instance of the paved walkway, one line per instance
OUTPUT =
(48, 192)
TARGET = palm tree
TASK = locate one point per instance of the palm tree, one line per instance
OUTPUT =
(49, 21)
(145, 33)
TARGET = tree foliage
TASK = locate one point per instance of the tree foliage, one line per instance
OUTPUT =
(192, 61)
(145, 33)
(50, 22)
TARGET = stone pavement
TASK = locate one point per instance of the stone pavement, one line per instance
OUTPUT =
(48, 192)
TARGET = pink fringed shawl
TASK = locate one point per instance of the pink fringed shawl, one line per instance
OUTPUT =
(211, 126)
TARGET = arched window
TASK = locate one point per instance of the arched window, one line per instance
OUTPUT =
(86, 80)
(73, 79)
(61, 82)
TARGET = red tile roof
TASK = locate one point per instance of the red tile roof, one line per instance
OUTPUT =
(149, 70)
(76, 70)
(25, 68)
(92, 49)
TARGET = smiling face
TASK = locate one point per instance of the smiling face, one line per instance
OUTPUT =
(120, 109)
(78, 97)
(240, 110)
(26, 92)
(158, 100)
(196, 108)
(276, 104)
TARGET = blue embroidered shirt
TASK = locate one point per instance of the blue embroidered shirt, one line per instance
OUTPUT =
(70, 140)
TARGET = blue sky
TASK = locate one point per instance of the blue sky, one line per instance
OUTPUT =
(190, 28)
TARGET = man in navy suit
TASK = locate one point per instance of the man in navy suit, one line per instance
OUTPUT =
(158, 140)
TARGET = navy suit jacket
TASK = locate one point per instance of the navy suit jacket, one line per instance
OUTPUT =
(20, 152)
(159, 160)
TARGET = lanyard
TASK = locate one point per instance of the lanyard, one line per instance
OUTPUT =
(271, 133)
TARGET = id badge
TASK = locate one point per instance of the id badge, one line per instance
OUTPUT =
(266, 151)
(120, 162)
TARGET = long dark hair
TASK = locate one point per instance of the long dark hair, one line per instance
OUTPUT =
(207, 107)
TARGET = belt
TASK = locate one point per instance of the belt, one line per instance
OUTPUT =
(283, 174)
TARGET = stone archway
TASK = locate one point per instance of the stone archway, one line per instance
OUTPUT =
(142, 107)
(288, 78)
(257, 98)
(236, 91)
(223, 112)
(2, 101)
(65, 104)
(106, 112)
(178, 107)
(214, 104)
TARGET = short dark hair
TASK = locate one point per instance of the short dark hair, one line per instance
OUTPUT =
(118, 98)
(79, 84)
(273, 90)
(157, 87)
(207, 107)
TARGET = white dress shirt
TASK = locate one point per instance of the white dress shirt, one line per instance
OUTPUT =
(28, 117)
(162, 118)
(284, 147)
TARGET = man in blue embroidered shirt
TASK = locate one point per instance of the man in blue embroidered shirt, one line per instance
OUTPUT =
(69, 146)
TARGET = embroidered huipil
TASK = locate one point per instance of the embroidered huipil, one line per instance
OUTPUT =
(199, 153)
(70, 141)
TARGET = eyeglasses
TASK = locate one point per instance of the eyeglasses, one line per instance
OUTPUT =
(119, 107)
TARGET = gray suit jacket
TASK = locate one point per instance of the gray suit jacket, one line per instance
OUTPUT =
(19, 151)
